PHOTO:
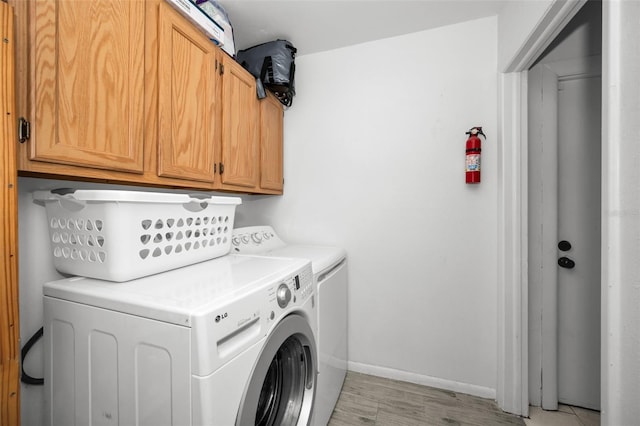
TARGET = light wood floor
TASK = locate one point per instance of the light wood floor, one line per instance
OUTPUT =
(370, 400)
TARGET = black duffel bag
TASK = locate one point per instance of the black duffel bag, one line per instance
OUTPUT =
(272, 64)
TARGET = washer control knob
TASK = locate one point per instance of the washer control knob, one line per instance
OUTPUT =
(283, 295)
(256, 237)
(245, 239)
(235, 241)
(267, 236)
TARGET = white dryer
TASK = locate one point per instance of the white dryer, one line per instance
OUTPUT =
(329, 266)
(224, 342)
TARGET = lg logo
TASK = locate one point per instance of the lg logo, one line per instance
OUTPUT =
(220, 317)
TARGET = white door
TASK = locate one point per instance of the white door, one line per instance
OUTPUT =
(579, 217)
(564, 238)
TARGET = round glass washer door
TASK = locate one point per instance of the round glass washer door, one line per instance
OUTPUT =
(282, 387)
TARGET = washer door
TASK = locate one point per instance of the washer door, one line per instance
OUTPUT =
(282, 386)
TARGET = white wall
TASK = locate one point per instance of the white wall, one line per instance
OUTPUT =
(621, 214)
(374, 162)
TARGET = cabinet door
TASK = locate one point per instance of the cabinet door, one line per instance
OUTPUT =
(240, 137)
(271, 122)
(187, 99)
(88, 82)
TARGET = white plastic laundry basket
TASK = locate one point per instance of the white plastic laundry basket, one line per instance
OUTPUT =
(123, 235)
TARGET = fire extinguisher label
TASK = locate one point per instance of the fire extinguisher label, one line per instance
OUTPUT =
(473, 162)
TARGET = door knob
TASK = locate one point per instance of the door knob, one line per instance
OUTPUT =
(565, 262)
(564, 245)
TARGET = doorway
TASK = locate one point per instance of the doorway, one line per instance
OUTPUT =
(564, 158)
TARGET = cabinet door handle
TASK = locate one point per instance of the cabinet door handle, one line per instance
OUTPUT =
(221, 168)
(24, 130)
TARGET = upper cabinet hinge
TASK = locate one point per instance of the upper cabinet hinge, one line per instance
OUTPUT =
(24, 130)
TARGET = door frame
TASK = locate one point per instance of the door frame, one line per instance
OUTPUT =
(620, 328)
(9, 317)
(512, 391)
(542, 259)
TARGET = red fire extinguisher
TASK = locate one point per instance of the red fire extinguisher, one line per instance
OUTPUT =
(474, 147)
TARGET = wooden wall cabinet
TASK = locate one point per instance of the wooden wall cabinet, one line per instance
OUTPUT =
(240, 133)
(252, 135)
(188, 80)
(271, 144)
(88, 83)
(131, 92)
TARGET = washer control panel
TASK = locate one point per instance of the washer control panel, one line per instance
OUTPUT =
(292, 291)
(254, 240)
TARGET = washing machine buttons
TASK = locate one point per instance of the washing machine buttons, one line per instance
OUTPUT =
(283, 295)
(256, 237)
(245, 239)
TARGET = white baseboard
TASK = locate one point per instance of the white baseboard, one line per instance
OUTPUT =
(419, 379)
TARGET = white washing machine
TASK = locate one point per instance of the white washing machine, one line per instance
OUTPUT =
(228, 341)
(329, 266)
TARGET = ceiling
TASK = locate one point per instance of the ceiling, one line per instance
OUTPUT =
(315, 26)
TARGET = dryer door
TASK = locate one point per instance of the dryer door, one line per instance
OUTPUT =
(282, 387)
